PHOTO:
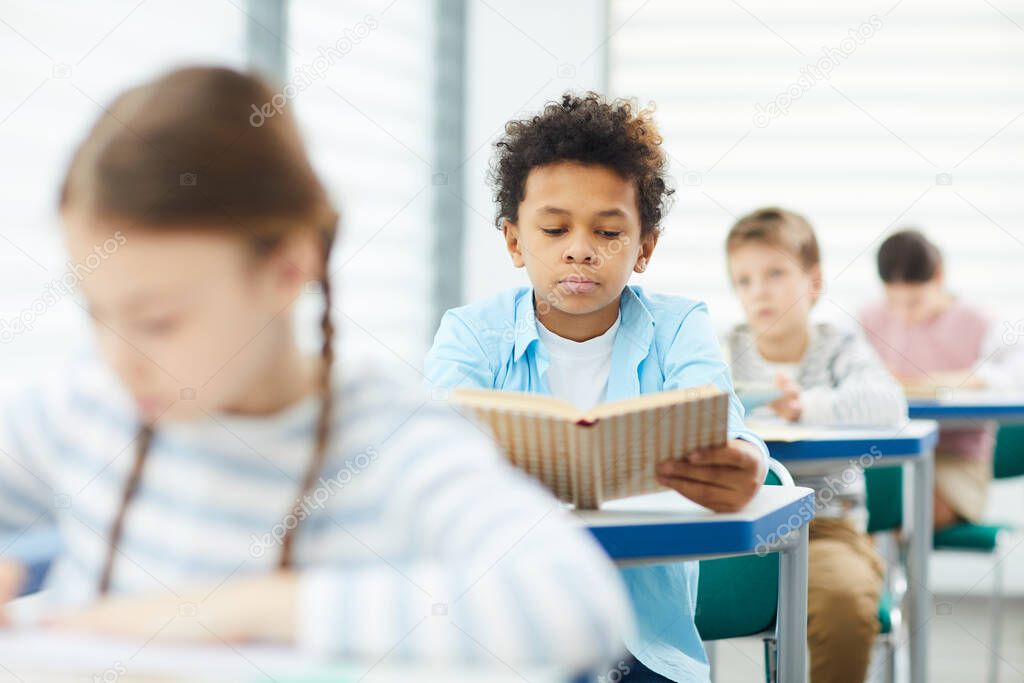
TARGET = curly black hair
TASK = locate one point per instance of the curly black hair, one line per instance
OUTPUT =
(588, 130)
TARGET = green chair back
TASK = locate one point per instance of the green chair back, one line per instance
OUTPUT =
(1008, 461)
(738, 596)
(884, 498)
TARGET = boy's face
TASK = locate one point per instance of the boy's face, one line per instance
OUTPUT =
(914, 302)
(578, 236)
(776, 292)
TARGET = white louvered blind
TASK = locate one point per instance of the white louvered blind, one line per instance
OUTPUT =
(59, 63)
(366, 116)
(919, 123)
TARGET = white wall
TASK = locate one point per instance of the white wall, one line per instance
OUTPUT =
(372, 145)
(57, 75)
(520, 55)
(367, 117)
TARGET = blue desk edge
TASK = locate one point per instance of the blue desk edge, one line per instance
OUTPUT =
(705, 538)
(894, 445)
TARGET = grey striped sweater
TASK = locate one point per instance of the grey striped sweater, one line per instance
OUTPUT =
(844, 384)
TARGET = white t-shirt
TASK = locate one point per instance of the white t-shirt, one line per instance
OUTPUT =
(579, 371)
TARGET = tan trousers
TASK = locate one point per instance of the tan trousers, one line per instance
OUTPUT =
(844, 583)
(963, 484)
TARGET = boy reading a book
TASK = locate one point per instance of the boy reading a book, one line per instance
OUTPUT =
(581, 192)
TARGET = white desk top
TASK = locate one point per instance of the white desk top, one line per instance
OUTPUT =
(668, 507)
(970, 397)
(778, 430)
(32, 656)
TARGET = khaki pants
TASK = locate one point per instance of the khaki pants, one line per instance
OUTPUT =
(963, 484)
(844, 583)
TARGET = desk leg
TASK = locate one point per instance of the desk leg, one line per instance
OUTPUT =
(792, 614)
(919, 595)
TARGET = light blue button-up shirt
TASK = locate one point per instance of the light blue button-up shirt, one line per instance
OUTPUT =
(663, 343)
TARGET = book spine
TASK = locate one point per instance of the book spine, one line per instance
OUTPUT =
(588, 471)
(596, 469)
(574, 470)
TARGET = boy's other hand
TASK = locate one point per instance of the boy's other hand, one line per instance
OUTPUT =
(723, 479)
(787, 406)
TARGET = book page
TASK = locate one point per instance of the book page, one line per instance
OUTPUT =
(652, 401)
(536, 404)
(627, 447)
(541, 445)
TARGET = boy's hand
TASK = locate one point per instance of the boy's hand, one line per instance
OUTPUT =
(723, 479)
(787, 406)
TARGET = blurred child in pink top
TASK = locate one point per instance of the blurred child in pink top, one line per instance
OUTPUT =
(931, 340)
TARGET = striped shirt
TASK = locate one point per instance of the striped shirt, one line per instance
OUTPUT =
(843, 383)
(418, 540)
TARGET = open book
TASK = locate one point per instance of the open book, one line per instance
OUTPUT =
(607, 453)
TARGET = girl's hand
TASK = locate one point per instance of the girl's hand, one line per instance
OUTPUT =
(241, 610)
(723, 479)
(787, 406)
(12, 579)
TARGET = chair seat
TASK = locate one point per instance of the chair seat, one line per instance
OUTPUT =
(981, 537)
